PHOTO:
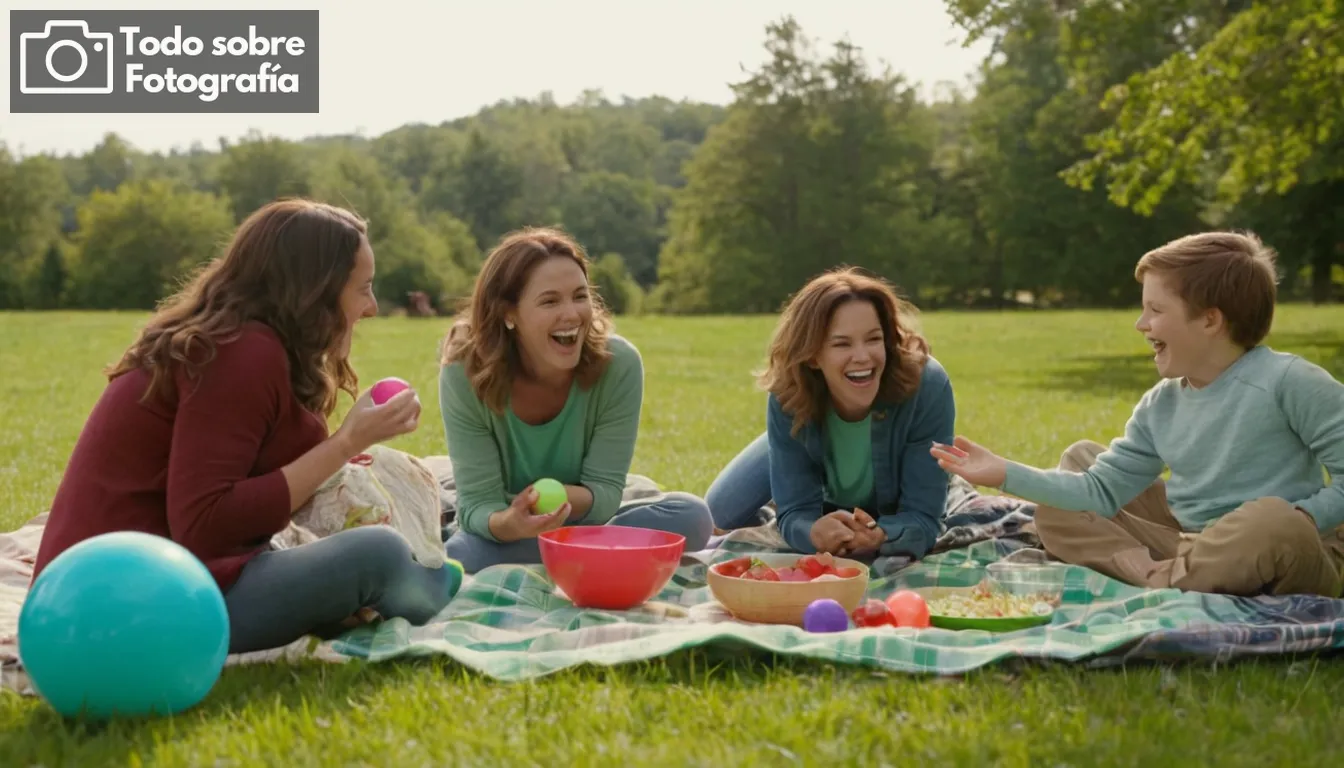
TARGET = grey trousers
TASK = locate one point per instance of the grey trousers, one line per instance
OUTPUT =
(282, 595)
(680, 513)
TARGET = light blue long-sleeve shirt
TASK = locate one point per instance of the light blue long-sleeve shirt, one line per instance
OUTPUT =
(1266, 427)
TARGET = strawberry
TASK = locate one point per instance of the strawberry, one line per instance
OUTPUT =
(810, 565)
(872, 613)
(761, 572)
(734, 568)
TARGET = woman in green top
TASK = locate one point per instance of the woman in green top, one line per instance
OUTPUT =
(534, 385)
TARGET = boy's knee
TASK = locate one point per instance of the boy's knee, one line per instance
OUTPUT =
(1265, 544)
(1053, 519)
(1059, 528)
(1081, 455)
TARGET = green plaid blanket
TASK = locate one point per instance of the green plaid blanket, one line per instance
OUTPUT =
(509, 623)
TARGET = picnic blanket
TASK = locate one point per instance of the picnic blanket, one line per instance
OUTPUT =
(510, 623)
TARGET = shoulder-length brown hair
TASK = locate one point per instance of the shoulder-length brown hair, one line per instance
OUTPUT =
(802, 329)
(478, 337)
(286, 267)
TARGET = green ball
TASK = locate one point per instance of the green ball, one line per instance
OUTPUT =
(550, 495)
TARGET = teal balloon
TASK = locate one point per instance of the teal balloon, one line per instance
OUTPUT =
(124, 624)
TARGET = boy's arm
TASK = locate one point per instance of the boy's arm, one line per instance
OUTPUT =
(1313, 402)
(1121, 473)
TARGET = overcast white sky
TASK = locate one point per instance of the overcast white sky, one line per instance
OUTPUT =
(385, 63)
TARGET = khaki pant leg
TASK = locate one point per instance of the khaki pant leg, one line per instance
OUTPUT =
(1125, 547)
(1265, 545)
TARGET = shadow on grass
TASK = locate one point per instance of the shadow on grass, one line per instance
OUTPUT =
(1133, 374)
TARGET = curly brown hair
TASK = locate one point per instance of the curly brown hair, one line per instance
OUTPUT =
(478, 337)
(286, 267)
(801, 332)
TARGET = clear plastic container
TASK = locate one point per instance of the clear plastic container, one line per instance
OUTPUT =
(1044, 581)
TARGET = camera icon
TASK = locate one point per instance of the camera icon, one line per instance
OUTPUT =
(65, 57)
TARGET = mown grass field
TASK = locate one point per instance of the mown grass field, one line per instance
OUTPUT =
(1027, 385)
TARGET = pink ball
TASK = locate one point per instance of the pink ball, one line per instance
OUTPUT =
(385, 389)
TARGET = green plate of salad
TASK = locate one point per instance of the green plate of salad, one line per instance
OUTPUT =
(987, 608)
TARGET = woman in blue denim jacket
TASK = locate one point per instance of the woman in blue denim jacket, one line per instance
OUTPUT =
(855, 401)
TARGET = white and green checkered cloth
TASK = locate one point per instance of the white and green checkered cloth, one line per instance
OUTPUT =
(509, 623)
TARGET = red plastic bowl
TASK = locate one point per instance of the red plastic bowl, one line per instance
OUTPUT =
(613, 567)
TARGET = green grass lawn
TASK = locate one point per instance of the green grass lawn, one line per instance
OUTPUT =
(1027, 385)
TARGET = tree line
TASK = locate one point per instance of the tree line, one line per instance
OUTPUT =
(1094, 132)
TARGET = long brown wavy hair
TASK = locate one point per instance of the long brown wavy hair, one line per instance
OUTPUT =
(478, 337)
(286, 267)
(801, 332)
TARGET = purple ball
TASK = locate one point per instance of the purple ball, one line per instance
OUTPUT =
(825, 615)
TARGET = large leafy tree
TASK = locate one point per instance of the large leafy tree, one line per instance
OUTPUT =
(817, 164)
(1241, 103)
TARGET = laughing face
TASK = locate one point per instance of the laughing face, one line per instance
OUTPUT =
(553, 316)
(1180, 341)
(853, 356)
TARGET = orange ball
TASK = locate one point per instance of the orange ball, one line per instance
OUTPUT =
(908, 609)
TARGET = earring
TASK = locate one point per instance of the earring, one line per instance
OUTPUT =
(508, 324)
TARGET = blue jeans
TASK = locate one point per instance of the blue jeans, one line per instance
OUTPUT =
(282, 595)
(679, 513)
(736, 496)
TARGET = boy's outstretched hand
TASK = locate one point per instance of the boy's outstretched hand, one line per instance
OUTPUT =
(979, 465)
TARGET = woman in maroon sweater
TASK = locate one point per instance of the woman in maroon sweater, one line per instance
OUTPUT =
(212, 432)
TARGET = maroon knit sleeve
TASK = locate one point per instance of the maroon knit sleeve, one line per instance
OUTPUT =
(223, 417)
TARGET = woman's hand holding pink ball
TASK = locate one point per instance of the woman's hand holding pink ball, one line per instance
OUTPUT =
(385, 389)
(380, 415)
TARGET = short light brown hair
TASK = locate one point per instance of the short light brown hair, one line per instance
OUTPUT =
(478, 337)
(1232, 272)
(801, 332)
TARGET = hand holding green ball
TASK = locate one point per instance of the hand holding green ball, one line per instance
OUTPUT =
(550, 495)
(542, 506)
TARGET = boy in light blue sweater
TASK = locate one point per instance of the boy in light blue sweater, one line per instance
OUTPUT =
(1245, 430)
